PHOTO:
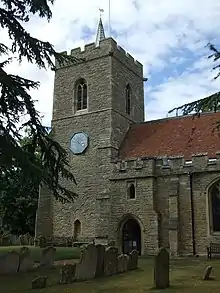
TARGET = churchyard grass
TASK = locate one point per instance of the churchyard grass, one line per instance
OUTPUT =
(185, 277)
(61, 252)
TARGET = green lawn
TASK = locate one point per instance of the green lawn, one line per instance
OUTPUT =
(185, 276)
(61, 252)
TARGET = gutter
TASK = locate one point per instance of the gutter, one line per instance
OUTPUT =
(192, 213)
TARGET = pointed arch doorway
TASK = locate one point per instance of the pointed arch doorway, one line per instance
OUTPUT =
(130, 235)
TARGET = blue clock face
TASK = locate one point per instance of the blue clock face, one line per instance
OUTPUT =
(79, 143)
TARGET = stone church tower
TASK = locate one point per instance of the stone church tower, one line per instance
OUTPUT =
(92, 107)
(140, 184)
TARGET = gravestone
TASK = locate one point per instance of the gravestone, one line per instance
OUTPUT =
(42, 242)
(36, 242)
(21, 240)
(9, 263)
(31, 241)
(121, 263)
(111, 261)
(26, 238)
(14, 239)
(86, 268)
(67, 273)
(5, 241)
(162, 269)
(125, 262)
(26, 264)
(39, 282)
(47, 257)
(207, 273)
(100, 260)
(133, 260)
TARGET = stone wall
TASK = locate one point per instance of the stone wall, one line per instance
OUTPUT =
(141, 209)
(107, 69)
(165, 190)
(178, 197)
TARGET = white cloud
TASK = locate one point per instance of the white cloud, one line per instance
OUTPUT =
(162, 34)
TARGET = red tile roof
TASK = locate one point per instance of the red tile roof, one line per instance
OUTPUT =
(176, 136)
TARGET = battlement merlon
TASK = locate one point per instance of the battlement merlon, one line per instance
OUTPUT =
(107, 47)
(198, 162)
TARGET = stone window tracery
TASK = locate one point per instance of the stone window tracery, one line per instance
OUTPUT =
(81, 95)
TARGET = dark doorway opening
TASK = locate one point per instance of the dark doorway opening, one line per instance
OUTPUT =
(131, 237)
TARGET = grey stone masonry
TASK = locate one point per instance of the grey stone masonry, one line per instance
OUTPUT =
(171, 196)
(107, 69)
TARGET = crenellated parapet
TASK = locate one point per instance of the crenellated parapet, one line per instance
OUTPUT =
(153, 166)
(107, 47)
(133, 168)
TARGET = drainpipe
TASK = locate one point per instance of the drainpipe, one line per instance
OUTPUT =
(192, 213)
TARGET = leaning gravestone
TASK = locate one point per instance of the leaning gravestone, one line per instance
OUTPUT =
(9, 263)
(26, 264)
(100, 260)
(207, 273)
(133, 260)
(162, 269)
(47, 257)
(111, 261)
(86, 268)
(67, 273)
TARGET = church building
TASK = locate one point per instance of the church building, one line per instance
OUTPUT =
(140, 185)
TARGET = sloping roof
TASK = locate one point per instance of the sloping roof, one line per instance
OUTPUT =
(186, 135)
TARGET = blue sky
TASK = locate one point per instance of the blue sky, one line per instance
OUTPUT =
(167, 36)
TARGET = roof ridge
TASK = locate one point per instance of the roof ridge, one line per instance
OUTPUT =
(178, 117)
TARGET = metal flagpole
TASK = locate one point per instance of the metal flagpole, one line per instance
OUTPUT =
(109, 18)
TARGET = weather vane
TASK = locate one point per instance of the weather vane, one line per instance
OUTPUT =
(109, 16)
(101, 11)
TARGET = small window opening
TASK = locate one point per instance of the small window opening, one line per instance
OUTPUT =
(81, 95)
(128, 99)
(131, 191)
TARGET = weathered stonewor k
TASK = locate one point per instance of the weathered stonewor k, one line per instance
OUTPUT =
(143, 185)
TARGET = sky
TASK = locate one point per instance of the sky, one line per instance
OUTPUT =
(168, 37)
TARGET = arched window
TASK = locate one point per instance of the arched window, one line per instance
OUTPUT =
(131, 194)
(128, 99)
(77, 230)
(215, 206)
(81, 95)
